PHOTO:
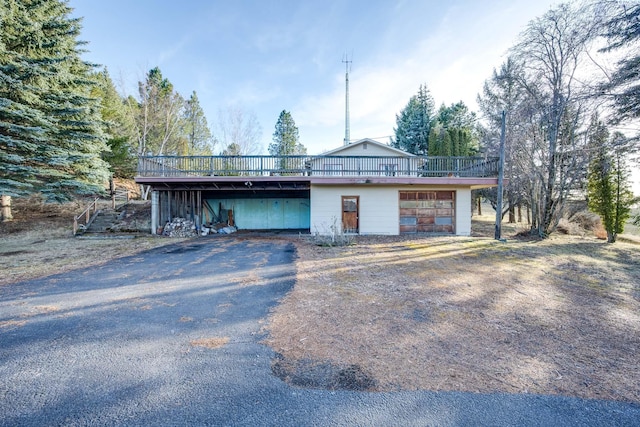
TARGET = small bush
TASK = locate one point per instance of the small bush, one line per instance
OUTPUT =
(571, 228)
(600, 232)
(582, 223)
(586, 220)
(333, 236)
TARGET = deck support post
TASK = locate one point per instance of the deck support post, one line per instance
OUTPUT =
(155, 199)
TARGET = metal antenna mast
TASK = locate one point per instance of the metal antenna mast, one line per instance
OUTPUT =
(347, 125)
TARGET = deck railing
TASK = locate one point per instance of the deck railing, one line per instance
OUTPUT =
(201, 166)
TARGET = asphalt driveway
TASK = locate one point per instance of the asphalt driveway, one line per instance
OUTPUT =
(172, 337)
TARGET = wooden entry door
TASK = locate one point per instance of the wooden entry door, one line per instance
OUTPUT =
(350, 214)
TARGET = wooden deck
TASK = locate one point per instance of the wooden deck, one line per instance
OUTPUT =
(194, 167)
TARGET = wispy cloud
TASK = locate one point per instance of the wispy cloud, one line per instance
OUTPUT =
(170, 52)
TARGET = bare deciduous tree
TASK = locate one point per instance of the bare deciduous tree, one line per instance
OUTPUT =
(502, 92)
(157, 114)
(550, 51)
(239, 128)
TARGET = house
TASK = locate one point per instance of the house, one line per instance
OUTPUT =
(364, 188)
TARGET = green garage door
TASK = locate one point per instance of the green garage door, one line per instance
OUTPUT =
(267, 213)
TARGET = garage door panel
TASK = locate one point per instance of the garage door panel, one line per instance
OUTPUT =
(408, 220)
(409, 204)
(426, 220)
(427, 204)
(443, 220)
(427, 211)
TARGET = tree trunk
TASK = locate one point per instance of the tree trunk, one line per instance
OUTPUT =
(144, 191)
(5, 208)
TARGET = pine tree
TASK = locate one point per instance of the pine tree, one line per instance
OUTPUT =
(446, 147)
(434, 140)
(51, 139)
(118, 127)
(609, 193)
(456, 134)
(414, 123)
(286, 141)
(195, 128)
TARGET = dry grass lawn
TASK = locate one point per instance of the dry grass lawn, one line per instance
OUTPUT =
(560, 316)
(39, 242)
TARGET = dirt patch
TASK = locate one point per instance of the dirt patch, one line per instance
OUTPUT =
(322, 375)
(211, 343)
(12, 323)
(134, 217)
(558, 316)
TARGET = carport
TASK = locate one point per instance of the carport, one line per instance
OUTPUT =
(266, 203)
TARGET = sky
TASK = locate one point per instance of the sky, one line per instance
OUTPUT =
(269, 56)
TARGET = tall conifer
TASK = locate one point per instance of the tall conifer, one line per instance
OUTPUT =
(414, 123)
(50, 130)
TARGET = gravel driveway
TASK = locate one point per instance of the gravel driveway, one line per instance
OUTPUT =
(172, 337)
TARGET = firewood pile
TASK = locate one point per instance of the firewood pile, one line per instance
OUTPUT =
(180, 227)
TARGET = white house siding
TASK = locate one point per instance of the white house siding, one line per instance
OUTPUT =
(366, 149)
(378, 207)
(463, 211)
(366, 158)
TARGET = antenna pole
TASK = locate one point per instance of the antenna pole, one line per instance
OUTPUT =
(347, 126)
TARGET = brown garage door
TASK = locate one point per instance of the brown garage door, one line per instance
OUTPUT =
(427, 212)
